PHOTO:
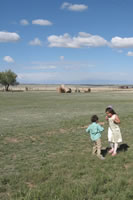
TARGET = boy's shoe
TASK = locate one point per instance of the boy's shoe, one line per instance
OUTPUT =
(114, 154)
(101, 157)
(111, 151)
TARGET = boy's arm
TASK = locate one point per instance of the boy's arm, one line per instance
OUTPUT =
(101, 123)
(100, 128)
(88, 129)
(84, 126)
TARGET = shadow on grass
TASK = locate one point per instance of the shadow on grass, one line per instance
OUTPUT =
(104, 151)
(121, 148)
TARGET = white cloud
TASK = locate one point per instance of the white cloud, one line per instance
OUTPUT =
(120, 51)
(35, 42)
(8, 59)
(74, 77)
(62, 65)
(61, 57)
(70, 72)
(24, 22)
(82, 40)
(43, 66)
(51, 67)
(84, 34)
(42, 22)
(118, 42)
(9, 37)
(130, 53)
(74, 7)
(39, 77)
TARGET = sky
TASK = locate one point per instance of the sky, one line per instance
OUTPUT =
(67, 42)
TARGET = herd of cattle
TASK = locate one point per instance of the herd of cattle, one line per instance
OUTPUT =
(63, 89)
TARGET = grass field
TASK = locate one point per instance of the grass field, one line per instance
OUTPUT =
(45, 154)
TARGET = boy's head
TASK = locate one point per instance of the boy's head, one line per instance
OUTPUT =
(94, 118)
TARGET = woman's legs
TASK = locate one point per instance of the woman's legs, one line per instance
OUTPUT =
(112, 147)
(115, 148)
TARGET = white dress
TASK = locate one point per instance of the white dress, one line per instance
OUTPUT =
(109, 134)
(114, 133)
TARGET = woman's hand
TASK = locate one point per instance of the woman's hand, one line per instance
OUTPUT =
(106, 118)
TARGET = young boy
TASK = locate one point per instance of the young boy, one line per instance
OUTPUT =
(95, 130)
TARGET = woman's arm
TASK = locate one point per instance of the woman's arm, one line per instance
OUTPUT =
(117, 120)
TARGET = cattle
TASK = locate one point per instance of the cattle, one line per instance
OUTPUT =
(63, 89)
(68, 90)
(77, 90)
(124, 87)
(86, 90)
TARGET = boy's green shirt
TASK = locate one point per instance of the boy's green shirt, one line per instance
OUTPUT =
(95, 131)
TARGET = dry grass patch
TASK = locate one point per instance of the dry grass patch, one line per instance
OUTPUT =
(30, 185)
(12, 140)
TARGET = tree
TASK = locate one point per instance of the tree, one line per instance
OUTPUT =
(8, 78)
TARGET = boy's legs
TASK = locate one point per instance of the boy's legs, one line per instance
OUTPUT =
(94, 148)
(98, 144)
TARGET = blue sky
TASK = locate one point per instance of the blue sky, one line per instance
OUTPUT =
(74, 41)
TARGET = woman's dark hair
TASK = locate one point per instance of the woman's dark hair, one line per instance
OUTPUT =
(110, 110)
(94, 118)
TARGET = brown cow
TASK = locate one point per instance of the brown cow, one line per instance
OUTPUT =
(62, 89)
(86, 90)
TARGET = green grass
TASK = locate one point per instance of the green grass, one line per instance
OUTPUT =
(46, 154)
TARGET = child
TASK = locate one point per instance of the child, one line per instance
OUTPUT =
(115, 133)
(95, 130)
(109, 130)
